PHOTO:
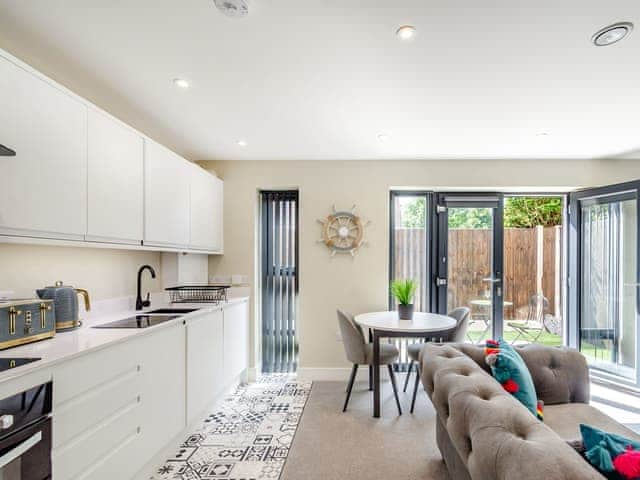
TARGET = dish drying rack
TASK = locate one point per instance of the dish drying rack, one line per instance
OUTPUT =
(198, 294)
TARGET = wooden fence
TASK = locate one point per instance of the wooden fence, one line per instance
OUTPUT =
(532, 264)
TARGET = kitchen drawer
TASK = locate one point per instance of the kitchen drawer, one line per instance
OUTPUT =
(120, 464)
(96, 406)
(84, 374)
(100, 445)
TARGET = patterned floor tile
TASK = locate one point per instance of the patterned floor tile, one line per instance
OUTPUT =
(246, 437)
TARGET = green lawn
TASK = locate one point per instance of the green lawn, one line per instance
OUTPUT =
(546, 338)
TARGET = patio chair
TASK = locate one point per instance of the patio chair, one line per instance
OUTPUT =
(481, 316)
(532, 328)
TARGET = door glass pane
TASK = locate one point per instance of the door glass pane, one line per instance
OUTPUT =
(470, 267)
(410, 245)
(533, 270)
(608, 292)
(279, 251)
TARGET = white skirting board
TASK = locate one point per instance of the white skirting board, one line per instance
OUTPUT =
(173, 444)
(315, 374)
(254, 372)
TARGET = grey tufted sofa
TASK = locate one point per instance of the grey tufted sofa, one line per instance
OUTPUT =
(483, 433)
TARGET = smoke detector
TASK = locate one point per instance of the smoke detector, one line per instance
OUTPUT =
(233, 8)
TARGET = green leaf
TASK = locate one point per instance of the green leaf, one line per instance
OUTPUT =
(404, 290)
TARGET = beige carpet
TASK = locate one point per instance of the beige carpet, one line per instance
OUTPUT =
(332, 445)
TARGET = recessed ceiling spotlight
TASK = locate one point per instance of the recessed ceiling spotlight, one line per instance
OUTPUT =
(406, 32)
(242, 143)
(542, 134)
(612, 34)
(181, 83)
(382, 137)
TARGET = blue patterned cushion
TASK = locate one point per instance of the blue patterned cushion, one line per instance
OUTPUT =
(512, 373)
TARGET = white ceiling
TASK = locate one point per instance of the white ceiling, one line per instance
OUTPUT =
(320, 79)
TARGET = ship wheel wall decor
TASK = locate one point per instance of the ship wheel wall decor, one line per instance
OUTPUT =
(343, 231)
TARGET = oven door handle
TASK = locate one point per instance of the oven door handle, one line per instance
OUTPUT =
(20, 449)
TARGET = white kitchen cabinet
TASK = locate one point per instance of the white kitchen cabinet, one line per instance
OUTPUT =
(163, 389)
(43, 189)
(205, 362)
(81, 175)
(115, 189)
(97, 414)
(206, 210)
(167, 179)
(236, 340)
(117, 407)
(219, 215)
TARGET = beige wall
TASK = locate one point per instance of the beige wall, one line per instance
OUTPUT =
(360, 284)
(105, 273)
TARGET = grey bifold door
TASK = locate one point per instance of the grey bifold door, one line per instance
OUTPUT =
(279, 278)
(605, 278)
(468, 265)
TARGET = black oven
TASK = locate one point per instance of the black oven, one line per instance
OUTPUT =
(25, 435)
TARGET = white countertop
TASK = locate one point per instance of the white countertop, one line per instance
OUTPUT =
(67, 345)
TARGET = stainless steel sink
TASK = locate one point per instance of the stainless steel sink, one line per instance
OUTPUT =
(171, 311)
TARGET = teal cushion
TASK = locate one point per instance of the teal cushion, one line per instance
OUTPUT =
(512, 373)
(601, 448)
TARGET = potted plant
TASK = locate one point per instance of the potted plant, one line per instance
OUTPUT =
(404, 291)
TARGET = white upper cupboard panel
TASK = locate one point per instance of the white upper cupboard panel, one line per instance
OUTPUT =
(167, 178)
(115, 180)
(80, 174)
(219, 214)
(43, 189)
(206, 221)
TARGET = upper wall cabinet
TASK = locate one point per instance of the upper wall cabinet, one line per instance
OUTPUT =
(220, 215)
(206, 210)
(167, 178)
(81, 175)
(43, 189)
(115, 181)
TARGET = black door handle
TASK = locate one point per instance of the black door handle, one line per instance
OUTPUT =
(6, 151)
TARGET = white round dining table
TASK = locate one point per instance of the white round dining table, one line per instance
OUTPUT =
(387, 324)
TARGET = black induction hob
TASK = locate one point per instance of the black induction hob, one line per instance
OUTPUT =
(139, 321)
(9, 363)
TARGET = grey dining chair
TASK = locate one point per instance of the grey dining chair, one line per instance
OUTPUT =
(456, 334)
(361, 353)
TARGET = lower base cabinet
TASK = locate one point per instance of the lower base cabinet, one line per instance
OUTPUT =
(163, 385)
(115, 408)
(236, 344)
(118, 407)
(205, 359)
